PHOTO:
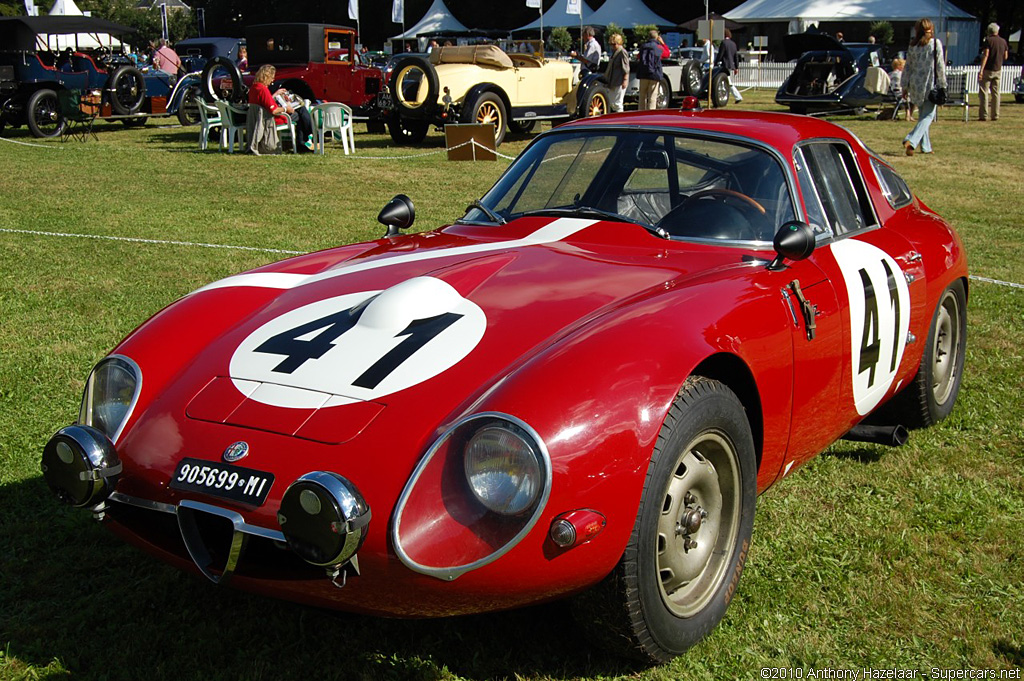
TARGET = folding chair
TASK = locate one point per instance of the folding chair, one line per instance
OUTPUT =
(77, 123)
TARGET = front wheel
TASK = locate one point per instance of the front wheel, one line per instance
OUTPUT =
(720, 90)
(405, 130)
(44, 117)
(188, 110)
(522, 127)
(691, 536)
(930, 397)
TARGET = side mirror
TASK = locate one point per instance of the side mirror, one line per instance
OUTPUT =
(793, 241)
(397, 214)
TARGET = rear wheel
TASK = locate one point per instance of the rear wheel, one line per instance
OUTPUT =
(691, 537)
(407, 130)
(664, 94)
(44, 117)
(720, 90)
(930, 397)
(135, 122)
(522, 127)
(488, 108)
(691, 78)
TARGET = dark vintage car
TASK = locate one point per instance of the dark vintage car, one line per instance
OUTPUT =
(578, 389)
(195, 53)
(315, 61)
(32, 75)
(829, 74)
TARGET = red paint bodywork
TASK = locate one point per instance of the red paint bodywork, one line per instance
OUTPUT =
(588, 340)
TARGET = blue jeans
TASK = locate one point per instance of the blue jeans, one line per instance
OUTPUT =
(919, 135)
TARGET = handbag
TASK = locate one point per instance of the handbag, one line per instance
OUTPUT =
(937, 95)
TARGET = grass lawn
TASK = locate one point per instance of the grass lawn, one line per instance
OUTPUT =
(866, 558)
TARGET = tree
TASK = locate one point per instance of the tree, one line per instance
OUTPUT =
(883, 32)
(641, 31)
(610, 30)
(561, 39)
(180, 22)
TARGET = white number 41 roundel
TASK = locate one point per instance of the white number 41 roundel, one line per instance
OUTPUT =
(361, 345)
(879, 318)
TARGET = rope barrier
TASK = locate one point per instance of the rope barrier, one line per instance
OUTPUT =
(283, 251)
(30, 144)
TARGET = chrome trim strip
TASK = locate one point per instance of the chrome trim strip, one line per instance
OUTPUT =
(254, 530)
(86, 418)
(193, 539)
(451, 573)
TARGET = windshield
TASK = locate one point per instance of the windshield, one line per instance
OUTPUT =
(680, 186)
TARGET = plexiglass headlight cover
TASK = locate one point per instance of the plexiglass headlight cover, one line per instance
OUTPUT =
(441, 527)
(110, 395)
(503, 468)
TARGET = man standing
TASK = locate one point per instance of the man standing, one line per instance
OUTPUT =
(591, 56)
(617, 73)
(649, 72)
(730, 61)
(994, 51)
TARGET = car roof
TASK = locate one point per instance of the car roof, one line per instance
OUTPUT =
(779, 130)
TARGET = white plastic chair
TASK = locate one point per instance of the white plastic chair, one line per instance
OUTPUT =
(209, 119)
(232, 123)
(334, 118)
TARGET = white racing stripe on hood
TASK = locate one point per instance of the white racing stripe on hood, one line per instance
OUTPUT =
(550, 233)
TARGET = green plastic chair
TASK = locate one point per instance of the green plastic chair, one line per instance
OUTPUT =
(77, 123)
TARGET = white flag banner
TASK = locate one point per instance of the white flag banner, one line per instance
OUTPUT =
(398, 12)
(535, 4)
(353, 10)
(574, 7)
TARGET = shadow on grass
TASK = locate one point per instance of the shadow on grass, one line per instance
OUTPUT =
(1011, 652)
(76, 595)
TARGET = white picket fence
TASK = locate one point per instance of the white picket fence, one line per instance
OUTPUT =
(773, 74)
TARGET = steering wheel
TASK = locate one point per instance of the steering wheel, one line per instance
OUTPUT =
(725, 194)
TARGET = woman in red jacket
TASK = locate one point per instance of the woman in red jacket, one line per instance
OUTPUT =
(259, 95)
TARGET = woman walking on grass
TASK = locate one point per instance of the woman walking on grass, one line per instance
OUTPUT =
(926, 69)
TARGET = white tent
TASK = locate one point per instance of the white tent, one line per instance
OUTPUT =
(68, 8)
(557, 16)
(957, 28)
(437, 18)
(627, 14)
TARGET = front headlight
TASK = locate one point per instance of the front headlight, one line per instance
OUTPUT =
(503, 469)
(110, 395)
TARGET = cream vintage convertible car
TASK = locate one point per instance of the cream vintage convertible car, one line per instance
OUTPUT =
(485, 84)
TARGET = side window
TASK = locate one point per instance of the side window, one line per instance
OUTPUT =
(339, 46)
(896, 191)
(834, 193)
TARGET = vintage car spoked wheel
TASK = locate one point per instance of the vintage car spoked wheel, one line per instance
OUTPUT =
(691, 78)
(522, 127)
(690, 541)
(489, 108)
(664, 94)
(598, 102)
(720, 90)
(930, 397)
(44, 117)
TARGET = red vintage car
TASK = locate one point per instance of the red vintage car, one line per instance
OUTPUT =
(578, 389)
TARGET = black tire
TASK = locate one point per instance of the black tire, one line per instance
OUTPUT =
(664, 94)
(135, 122)
(188, 110)
(405, 130)
(1019, 99)
(414, 86)
(598, 101)
(209, 81)
(127, 89)
(799, 109)
(666, 594)
(487, 108)
(719, 90)
(691, 79)
(930, 397)
(522, 127)
(43, 114)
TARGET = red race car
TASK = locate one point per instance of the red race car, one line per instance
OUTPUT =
(579, 388)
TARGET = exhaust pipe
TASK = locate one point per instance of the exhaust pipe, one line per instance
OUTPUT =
(890, 436)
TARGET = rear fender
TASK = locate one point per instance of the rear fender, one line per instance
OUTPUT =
(481, 88)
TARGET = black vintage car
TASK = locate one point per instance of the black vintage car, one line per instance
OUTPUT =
(830, 75)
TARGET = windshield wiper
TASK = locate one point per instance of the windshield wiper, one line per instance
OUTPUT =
(590, 211)
(478, 204)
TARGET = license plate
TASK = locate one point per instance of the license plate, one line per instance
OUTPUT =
(244, 485)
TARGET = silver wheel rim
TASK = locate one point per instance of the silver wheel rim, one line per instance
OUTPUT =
(698, 524)
(944, 350)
